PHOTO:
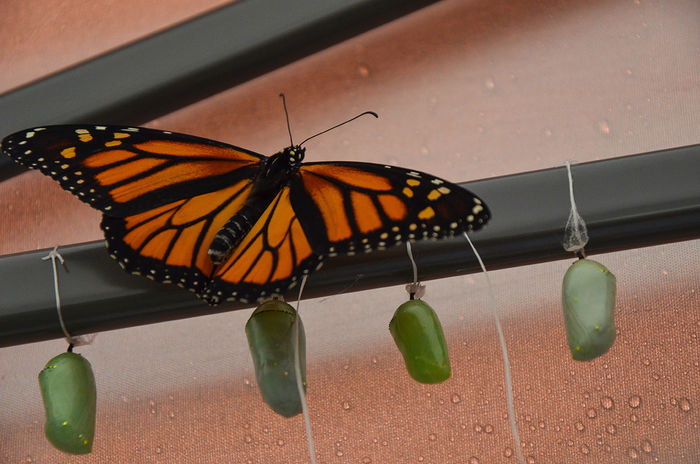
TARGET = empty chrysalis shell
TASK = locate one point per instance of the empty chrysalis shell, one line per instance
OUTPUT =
(68, 390)
(270, 332)
(418, 335)
(588, 296)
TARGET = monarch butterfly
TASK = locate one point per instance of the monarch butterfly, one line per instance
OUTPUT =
(68, 389)
(231, 224)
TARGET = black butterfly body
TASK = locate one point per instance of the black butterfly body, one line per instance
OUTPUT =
(228, 223)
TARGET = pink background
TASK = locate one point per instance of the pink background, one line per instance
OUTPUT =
(465, 90)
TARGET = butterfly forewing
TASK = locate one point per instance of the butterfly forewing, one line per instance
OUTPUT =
(347, 207)
(126, 170)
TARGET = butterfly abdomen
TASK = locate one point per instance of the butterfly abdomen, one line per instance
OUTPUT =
(234, 230)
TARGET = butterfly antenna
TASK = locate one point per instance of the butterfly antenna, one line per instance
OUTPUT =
(286, 116)
(342, 123)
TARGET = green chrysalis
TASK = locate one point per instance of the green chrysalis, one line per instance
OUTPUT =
(418, 335)
(588, 296)
(68, 390)
(270, 332)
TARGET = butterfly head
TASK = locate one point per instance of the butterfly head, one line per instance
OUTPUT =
(294, 155)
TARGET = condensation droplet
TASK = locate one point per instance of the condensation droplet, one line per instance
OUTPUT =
(159, 450)
(591, 413)
(280, 442)
(646, 446)
(385, 443)
(363, 70)
(632, 452)
(477, 428)
(246, 381)
(474, 460)
(547, 133)
(29, 459)
(374, 360)
(488, 428)
(508, 452)
(611, 429)
(646, 361)
(339, 453)
(366, 460)
(634, 418)
(456, 398)
(684, 404)
(489, 83)
(125, 399)
(579, 426)
(248, 439)
(635, 401)
(607, 403)
(604, 127)
(432, 437)
(346, 405)
(171, 415)
(585, 449)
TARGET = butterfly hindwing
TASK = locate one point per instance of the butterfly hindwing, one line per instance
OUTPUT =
(126, 170)
(269, 260)
(170, 243)
(348, 207)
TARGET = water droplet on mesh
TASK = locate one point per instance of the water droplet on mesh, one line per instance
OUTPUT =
(432, 437)
(547, 133)
(489, 83)
(488, 428)
(604, 127)
(591, 413)
(508, 452)
(346, 405)
(635, 401)
(685, 405)
(159, 450)
(366, 460)
(579, 426)
(280, 442)
(248, 439)
(456, 398)
(363, 70)
(634, 418)
(585, 449)
(474, 460)
(29, 459)
(646, 361)
(171, 415)
(611, 429)
(477, 428)
(632, 452)
(125, 399)
(607, 403)
(646, 446)
(339, 453)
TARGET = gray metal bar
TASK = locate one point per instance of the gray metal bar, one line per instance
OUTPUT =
(186, 63)
(627, 202)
